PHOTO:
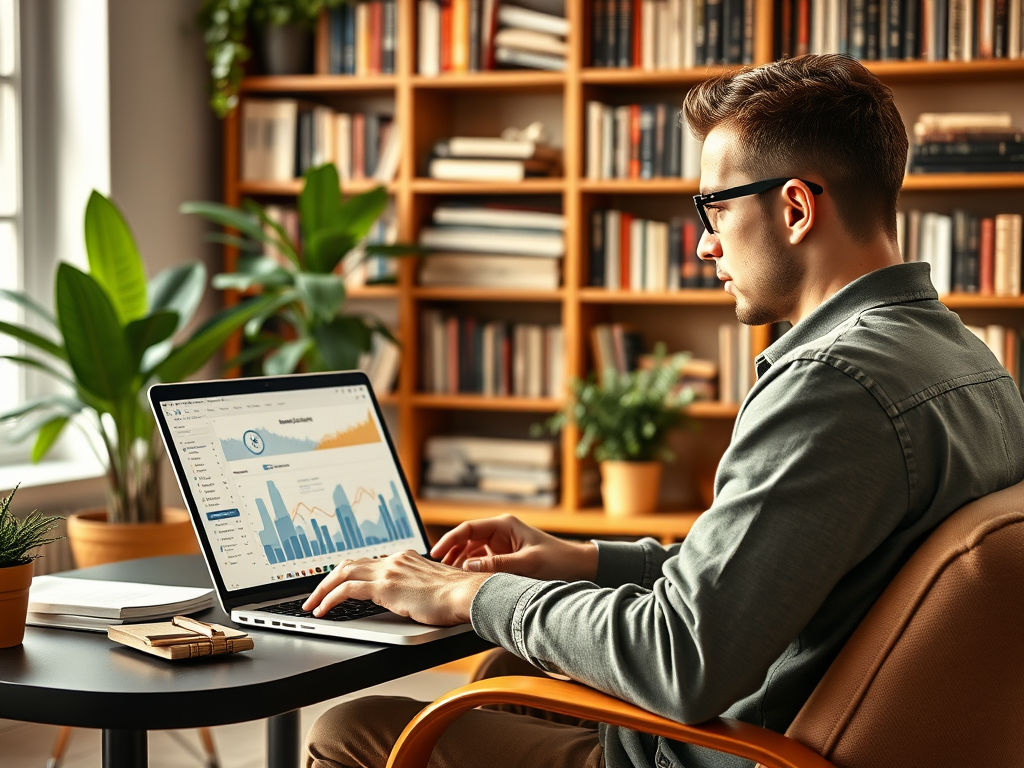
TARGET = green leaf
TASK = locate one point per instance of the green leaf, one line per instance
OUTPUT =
(241, 243)
(47, 436)
(287, 357)
(114, 260)
(27, 302)
(95, 343)
(205, 342)
(39, 365)
(179, 289)
(320, 200)
(31, 422)
(342, 341)
(252, 271)
(226, 216)
(21, 333)
(280, 238)
(284, 298)
(322, 294)
(50, 401)
(326, 248)
(254, 351)
(149, 331)
(360, 212)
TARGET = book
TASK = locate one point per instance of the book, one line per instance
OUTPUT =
(495, 149)
(524, 18)
(529, 40)
(181, 639)
(468, 169)
(115, 600)
(492, 240)
(528, 60)
(484, 450)
(490, 271)
(495, 215)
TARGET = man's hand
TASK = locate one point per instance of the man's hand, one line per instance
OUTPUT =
(405, 583)
(505, 544)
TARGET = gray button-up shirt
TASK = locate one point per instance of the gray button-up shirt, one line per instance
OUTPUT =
(872, 420)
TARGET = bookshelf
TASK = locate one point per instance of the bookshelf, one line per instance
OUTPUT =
(429, 108)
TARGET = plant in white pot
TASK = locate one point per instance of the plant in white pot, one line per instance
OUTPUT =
(111, 336)
(624, 420)
(18, 540)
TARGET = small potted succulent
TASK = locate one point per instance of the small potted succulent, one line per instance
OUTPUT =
(623, 421)
(18, 540)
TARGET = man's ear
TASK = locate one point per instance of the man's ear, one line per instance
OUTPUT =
(798, 209)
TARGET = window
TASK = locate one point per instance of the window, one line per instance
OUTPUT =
(12, 387)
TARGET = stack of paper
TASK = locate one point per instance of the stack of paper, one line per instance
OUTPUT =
(56, 601)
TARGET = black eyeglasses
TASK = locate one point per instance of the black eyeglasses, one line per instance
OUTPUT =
(755, 188)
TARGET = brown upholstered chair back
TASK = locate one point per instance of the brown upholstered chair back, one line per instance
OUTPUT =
(934, 675)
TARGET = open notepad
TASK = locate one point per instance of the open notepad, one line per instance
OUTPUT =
(56, 601)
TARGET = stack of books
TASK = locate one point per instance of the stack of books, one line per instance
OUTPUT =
(478, 35)
(1005, 344)
(671, 34)
(932, 30)
(466, 158)
(284, 138)
(630, 253)
(968, 253)
(640, 141)
(477, 469)
(735, 362)
(966, 142)
(466, 355)
(493, 246)
(361, 38)
(90, 604)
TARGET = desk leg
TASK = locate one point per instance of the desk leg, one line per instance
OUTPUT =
(125, 749)
(283, 740)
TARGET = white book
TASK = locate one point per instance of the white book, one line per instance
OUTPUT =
(648, 50)
(595, 139)
(819, 20)
(942, 267)
(280, 127)
(554, 346)
(343, 145)
(113, 599)
(487, 450)
(488, 353)
(636, 255)
(529, 60)
(1013, 29)
(387, 165)
(727, 343)
(995, 339)
(954, 121)
(926, 248)
(662, 35)
(689, 24)
(496, 217)
(493, 148)
(691, 154)
(607, 142)
(613, 250)
(254, 158)
(429, 48)
(323, 135)
(674, 24)
(901, 233)
(832, 30)
(534, 360)
(744, 361)
(529, 40)
(622, 118)
(507, 472)
(464, 169)
(513, 16)
(484, 240)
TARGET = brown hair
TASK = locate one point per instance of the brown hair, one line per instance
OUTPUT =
(814, 114)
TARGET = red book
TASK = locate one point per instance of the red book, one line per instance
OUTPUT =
(638, 33)
(634, 141)
(359, 146)
(376, 35)
(987, 258)
(803, 37)
(446, 35)
(690, 277)
(506, 365)
(451, 358)
(624, 251)
(786, 30)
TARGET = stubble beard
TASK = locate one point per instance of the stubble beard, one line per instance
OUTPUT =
(772, 292)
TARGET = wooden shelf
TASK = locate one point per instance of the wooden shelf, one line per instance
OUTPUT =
(925, 72)
(283, 84)
(591, 521)
(645, 77)
(373, 292)
(433, 293)
(684, 297)
(525, 187)
(946, 182)
(977, 301)
(502, 80)
(294, 187)
(712, 409)
(486, 403)
(641, 186)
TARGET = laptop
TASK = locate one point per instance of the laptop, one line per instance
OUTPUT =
(285, 477)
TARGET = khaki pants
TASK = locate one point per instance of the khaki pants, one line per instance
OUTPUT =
(361, 733)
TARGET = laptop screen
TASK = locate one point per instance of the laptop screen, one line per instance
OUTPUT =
(289, 483)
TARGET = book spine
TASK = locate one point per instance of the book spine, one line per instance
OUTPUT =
(626, 276)
(660, 139)
(611, 37)
(675, 253)
(872, 35)
(647, 130)
(747, 47)
(691, 262)
(972, 255)
(371, 144)
(999, 32)
(349, 31)
(460, 36)
(674, 165)
(375, 39)
(986, 257)
(474, 63)
(390, 33)
(732, 28)
(803, 26)
(940, 40)
(634, 141)
(713, 11)
(598, 31)
(638, 32)
(700, 33)
(446, 35)
(960, 262)
(844, 28)
(911, 29)
(598, 250)
(336, 41)
(858, 29)
(624, 40)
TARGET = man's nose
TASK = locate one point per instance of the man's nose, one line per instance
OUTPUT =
(709, 246)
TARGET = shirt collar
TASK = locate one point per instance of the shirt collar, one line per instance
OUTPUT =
(890, 285)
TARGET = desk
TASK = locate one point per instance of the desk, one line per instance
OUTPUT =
(82, 679)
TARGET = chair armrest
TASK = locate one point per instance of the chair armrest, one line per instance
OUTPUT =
(771, 749)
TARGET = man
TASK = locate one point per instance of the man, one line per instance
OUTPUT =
(873, 419)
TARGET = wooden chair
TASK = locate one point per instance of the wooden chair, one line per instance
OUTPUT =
(933, 676)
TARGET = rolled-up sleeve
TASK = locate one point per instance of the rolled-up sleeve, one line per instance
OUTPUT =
(687, 631)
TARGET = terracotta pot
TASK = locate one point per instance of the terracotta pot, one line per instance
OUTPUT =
(630, 487)
(14, 583)
(94, 541)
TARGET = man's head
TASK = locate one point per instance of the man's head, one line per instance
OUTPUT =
(822, 119)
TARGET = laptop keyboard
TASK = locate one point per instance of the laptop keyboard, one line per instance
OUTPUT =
(346, 611)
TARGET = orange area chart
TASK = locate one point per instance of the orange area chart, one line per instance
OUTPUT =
(359, 434)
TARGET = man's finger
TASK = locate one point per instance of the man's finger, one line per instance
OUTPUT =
(465, 532)
(350, 590)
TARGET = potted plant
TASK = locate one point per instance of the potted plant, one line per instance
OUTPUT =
(18, 538)
(623, 421)
(283, 32)
(304, 290)
(112, 335)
